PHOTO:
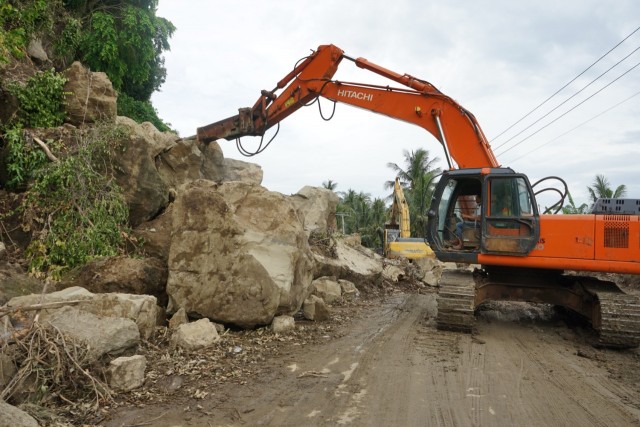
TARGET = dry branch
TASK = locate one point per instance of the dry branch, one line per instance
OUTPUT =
(46, 149)
(8, 310)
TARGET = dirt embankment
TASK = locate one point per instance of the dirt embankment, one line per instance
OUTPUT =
(385, 363)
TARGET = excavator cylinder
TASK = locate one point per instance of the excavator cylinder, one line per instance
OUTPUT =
(229, 128)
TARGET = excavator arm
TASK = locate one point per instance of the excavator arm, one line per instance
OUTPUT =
(400, 211)
(419, 103)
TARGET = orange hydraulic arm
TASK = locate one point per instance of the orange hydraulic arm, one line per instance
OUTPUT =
(419, 103)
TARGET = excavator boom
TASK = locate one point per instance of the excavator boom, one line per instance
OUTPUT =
(418, 103)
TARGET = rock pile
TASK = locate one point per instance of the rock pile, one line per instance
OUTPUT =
(222, 251)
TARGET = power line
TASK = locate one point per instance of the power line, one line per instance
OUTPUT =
(563, 87)
(568, 99)
(573, 108)
(576, 127)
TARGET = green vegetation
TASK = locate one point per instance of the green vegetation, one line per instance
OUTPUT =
(362, 215)
(571, 207)
(417, 184)
(72, 205)
(600, 188)
(40, 105)
(41, 100)
(123, 38)
(76, 210)
(140, 111)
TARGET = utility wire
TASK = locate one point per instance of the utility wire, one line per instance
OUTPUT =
(573, 108)
(578, 126)
(568, 99)
(563, 87)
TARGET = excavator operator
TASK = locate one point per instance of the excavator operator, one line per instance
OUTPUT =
(471, 220)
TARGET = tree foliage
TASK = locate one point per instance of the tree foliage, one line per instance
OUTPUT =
(366, 216)
(417, 181)
(363, 215)
(41, 99)
(126, 39)
(601, 188)
(40, 103)
(572, 208)
(123, 38)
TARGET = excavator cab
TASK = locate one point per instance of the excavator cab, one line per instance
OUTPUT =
(507, 220)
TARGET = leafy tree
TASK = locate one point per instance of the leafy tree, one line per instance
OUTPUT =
(126, 39)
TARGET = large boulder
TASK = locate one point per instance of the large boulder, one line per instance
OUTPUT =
(100, 335)
(317, 207)
(237, 170)
(135, 171)
(238, 255)
(90, 96)
(154, 165)
(185, 161)
(327, 288)
(156, 235)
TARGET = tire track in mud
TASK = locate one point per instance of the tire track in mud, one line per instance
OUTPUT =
(397, 369)
(554, 386)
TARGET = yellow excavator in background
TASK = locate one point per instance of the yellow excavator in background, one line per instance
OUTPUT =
(397, 232)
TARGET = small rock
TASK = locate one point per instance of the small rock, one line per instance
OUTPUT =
(127, 373)
(282, 324)
(195, 335)
(314, 308)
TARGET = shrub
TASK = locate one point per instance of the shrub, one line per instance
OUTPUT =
(77, 207)
(41, 99)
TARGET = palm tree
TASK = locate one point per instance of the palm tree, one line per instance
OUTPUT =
(330, 185)
(601, 188)
(417, 183)
(417, 164)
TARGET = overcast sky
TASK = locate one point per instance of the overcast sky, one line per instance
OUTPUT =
(499, 59)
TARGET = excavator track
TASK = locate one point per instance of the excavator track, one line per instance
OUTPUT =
(456, 301)
(618, 320)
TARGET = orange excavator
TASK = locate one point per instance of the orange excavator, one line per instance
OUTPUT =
(524, 255)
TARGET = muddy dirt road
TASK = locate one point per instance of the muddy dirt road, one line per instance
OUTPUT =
(520, 367)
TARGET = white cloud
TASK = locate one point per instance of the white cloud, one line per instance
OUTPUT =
(498, 59)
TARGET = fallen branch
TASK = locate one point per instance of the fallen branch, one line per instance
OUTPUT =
(46, 149)
(43, 306)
